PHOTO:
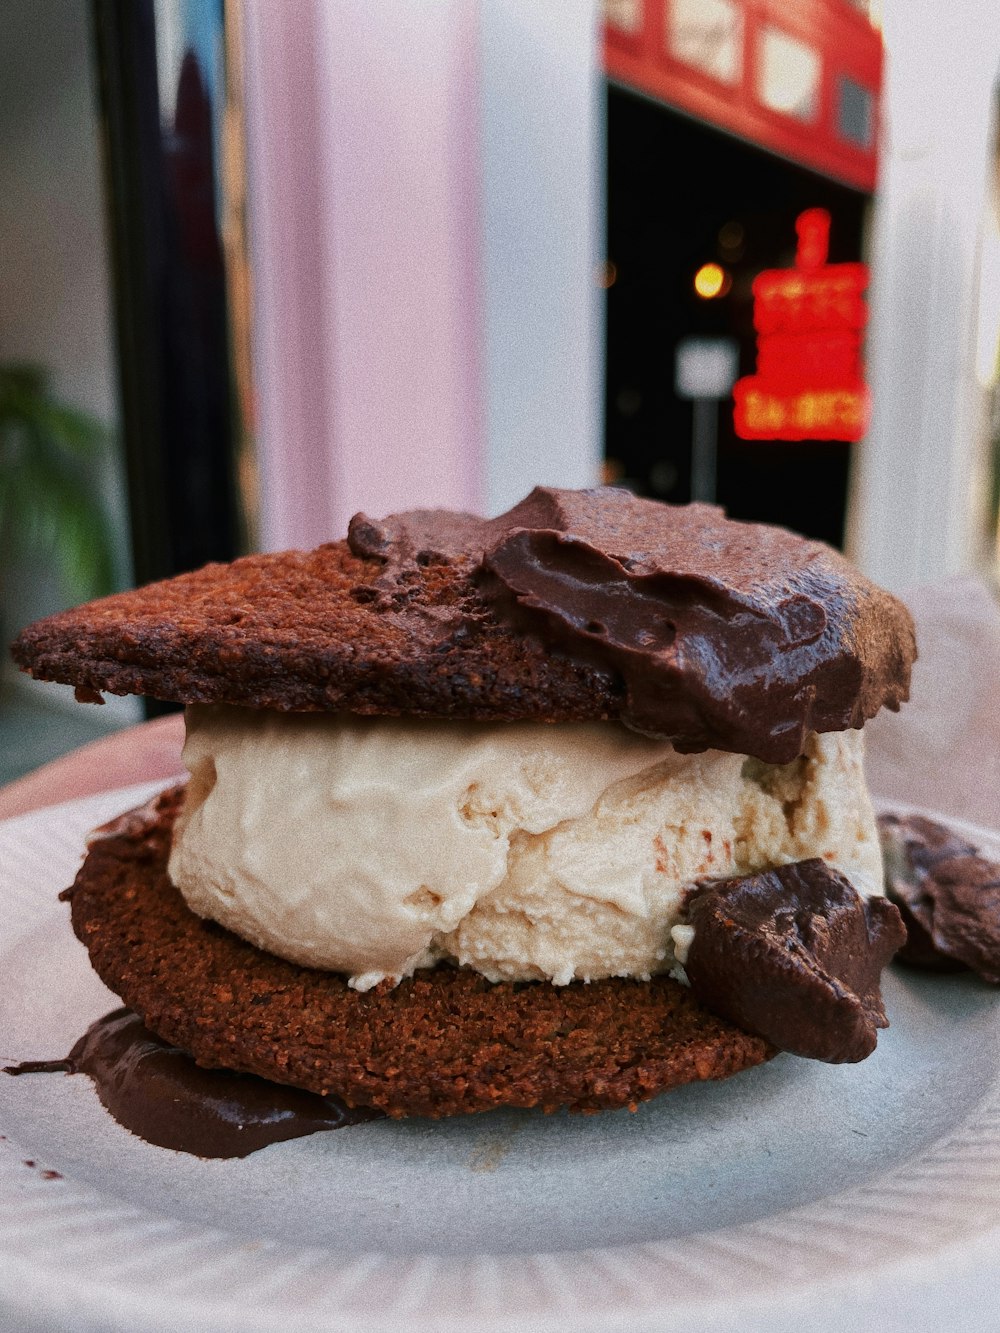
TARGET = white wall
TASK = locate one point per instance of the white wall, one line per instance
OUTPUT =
(919, 493)
(543, 233)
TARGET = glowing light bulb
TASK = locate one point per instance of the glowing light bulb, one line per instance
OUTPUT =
(606, 274)
(712, 280)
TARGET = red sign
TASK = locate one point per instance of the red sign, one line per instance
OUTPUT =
(802, 80)
(810, 320)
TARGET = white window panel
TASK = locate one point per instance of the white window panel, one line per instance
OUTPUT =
(625, 15)
(708, 35)
(789, 75)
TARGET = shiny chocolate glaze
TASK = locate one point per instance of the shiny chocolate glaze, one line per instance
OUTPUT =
(948, 895)
(725, 635)
(162, 1096)
(794, 955)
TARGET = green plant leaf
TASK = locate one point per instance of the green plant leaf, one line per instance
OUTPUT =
(64, 428)
(50, 507)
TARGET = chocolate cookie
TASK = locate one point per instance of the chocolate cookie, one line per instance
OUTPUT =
(311, 632)
(445, 1042)
(573, 606)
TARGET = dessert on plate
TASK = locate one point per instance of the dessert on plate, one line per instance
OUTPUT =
(562, 808)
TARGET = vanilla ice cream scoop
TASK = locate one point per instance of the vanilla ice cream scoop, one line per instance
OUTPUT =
(374, 846)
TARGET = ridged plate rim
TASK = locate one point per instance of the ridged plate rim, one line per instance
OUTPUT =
(70, 1259)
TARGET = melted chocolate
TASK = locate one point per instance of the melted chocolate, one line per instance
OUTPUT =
(162, 1096)
(794, 955)
(725, 635)
(41, 1067)
(948, 896)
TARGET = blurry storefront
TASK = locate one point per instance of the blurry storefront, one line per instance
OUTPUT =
(470, 274)
(728, 120)
(419, 197)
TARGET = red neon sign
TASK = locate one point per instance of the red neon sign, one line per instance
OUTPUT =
(810, 320)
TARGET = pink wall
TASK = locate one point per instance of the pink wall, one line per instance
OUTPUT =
(364, 201)
(291, 371)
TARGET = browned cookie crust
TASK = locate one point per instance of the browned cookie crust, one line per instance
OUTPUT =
(572, 606)
(446, 1042)
(309, 632)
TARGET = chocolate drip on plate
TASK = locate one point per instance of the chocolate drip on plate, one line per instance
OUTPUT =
(41, 1067)
(158, 1093)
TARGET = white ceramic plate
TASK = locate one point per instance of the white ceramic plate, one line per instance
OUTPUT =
(796, 1195)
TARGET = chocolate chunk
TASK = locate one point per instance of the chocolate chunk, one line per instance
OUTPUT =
(727, 635)
(418, 537)
(948, 896)
(794, 955)
(720, 630)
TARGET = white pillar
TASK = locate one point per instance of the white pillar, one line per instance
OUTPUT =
(424, 186)
(919, 489)
(544, 190)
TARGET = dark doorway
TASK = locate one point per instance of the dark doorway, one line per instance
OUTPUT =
(680, 195)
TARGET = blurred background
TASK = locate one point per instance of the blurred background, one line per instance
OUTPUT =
(265, 265)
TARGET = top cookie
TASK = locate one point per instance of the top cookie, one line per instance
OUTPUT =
(575, 605)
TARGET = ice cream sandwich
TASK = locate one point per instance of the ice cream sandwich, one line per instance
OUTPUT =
(562, 808)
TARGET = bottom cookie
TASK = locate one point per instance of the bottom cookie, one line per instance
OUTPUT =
(444, 1042)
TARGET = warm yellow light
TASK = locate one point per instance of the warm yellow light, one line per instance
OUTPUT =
(606, 274)
(711, 280)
